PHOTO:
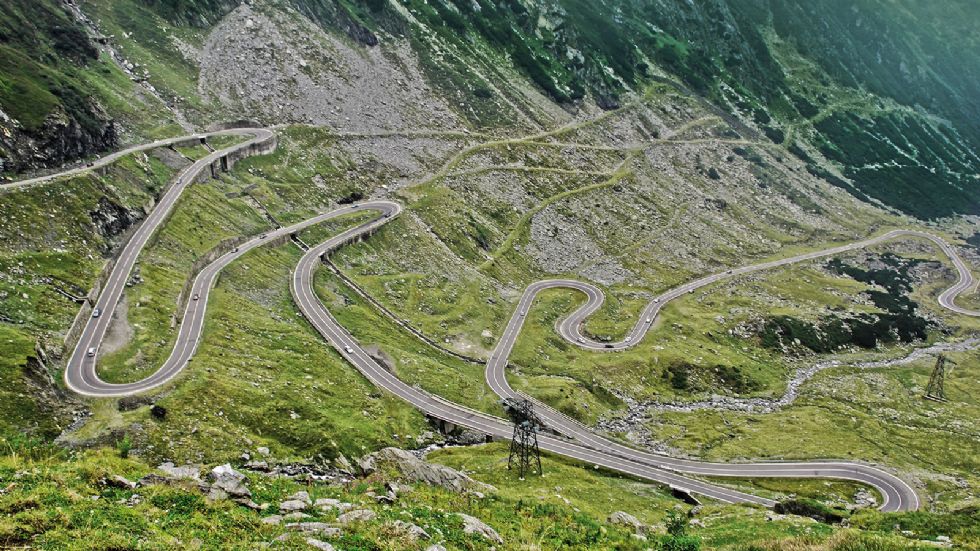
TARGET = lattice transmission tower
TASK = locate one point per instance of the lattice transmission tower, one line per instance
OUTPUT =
(524, 452)
(936, 389)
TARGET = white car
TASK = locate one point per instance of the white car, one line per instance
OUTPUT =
(581, 340)
(96, 313)
(649, 320)
(348, 349)
(91, 352)
(628, 339)
(196, 296)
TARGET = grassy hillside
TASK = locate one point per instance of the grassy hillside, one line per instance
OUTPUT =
(52, 500)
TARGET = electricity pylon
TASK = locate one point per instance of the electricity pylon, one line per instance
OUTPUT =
(936, 389)
(524, 450)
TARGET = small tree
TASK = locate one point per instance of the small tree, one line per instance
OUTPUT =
(677, 538)
(123, 446)
(676, 523)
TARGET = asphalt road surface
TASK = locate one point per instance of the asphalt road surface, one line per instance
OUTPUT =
(576, 441)
(80, 374)
(113, 157)
(897, 494)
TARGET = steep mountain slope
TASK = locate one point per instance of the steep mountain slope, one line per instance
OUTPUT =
(879, 100)
(47, 112)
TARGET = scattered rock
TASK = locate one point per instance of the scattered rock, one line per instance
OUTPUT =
(473, 525)
(291, 505)
(260, 466)
(326, 504)
(188, 472)
(343, 464)
(320, 528)
(273, 519)
(413, 531)
(317, 544)
(246, 502)
(357, 515)
(263, 451)
(116, 481)
(625, 519)
(226, 481)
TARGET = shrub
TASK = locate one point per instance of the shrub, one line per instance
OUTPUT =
(679, 543)
(123, 446)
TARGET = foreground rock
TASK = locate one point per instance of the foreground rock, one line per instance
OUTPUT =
(473, 525)
(319, 528)
(357, 515)
(625, 519)
(317, 544)
(413, 469)
(226, 481)
(413, 531)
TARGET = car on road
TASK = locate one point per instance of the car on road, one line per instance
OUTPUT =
(656, 299)
(690, 290)
(581, 340)
(729, 272)
(524, 313)
(649, 320)
(348, 349)
(609, 346)
(196, 296)
(91, 352)
(96, 313)
(235, 250)
(628, 339)
(263, 236)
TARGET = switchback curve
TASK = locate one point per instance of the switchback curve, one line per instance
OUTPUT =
(579, 442)
(898, 495)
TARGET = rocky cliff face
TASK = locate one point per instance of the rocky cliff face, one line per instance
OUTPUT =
(59, 140)
(48, 113)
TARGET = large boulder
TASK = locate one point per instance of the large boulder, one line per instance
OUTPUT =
(411, 468)
(473, 525)
(625, 519)
(184, 472)
(226, 481)
(413, 531)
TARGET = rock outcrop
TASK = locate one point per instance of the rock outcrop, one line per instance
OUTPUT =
(413, 469)
(473, 525)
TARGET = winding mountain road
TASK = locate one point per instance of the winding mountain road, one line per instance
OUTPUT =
(897, 494)
(576, 441)
(80, 374)
(115, 156)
